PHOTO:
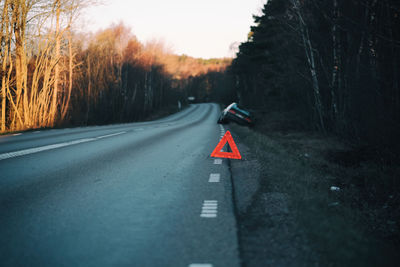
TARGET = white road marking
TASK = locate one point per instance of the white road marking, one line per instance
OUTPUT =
(200, 265)
(36, 132)
(16, 134)
(109, 135)
(209, 209)
(217, 161)
(214, 178)
(50, 147)
(211, 214)
(208, 215)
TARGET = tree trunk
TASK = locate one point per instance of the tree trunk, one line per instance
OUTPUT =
(19, 22)
(70, 75)
(146, 95)
(54, 102)
(4, 54)
(336, 64)
(89, 89)
(309, 51)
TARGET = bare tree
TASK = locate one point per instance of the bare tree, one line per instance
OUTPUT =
(32, 34)
(309, 51)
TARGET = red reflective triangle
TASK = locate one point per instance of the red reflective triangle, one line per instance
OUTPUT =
(217, 153)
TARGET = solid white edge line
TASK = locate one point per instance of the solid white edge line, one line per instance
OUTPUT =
(50, 147)
(40, 149)
(109, 135)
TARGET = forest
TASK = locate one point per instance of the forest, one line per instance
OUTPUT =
(333, 63)
(53, 75)
(315, 71)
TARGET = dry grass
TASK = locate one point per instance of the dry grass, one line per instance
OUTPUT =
(344, 228)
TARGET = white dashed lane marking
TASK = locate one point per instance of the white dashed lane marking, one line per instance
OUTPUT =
(54, 146)
(200, 265)
(16, 134)
(209, 209)
(217, 161)
(214, 178)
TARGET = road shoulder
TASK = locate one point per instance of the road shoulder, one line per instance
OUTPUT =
(288, 215)
(268, 232)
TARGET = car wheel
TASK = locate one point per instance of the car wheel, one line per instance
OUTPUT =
(222, 121)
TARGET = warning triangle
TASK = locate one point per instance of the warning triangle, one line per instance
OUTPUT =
(217, 153)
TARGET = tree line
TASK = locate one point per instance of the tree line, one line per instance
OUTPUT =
(52, 75)
(334, 62)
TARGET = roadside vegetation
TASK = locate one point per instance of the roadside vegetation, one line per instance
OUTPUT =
(322, 78)
(333, 62)
(53, 74)
(341, 209)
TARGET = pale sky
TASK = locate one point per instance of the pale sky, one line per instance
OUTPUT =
(198, 28)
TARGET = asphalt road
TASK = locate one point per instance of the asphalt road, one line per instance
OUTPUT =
(135, 194)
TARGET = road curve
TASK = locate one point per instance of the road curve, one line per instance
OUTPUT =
(138, 194)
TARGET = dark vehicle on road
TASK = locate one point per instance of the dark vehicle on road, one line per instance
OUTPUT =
(237, 114)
